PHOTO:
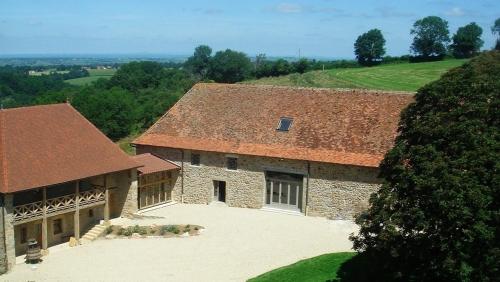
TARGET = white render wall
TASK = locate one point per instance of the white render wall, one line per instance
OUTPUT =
(335, 191)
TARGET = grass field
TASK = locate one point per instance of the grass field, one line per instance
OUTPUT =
(320, 268)
(125, 143)
(95, 74)
(402, 77)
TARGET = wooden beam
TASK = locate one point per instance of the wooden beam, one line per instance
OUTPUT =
(44, 220)
(77, 211)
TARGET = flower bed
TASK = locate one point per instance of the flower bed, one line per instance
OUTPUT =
(166, 231)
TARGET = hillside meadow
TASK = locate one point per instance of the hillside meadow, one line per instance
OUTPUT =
(401, 77)
(95, 74)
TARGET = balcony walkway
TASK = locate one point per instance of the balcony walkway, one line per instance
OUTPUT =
(55, 206)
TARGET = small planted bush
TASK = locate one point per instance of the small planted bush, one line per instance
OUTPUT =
(120, 231)
(143, 231)
(171, 228)
(128, 232)
(136, 229)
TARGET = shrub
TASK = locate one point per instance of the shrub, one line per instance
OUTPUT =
(136, 229)
(128, 231)
(109, 229)
(121, 231)
(171, 228)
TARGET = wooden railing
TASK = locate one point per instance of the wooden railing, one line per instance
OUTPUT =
(88, 198)
(33, 211)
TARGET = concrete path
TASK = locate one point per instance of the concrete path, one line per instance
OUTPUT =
(237, 244)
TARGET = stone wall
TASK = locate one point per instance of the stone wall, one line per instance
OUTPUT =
(124, 194)
(3, 251)
(335, 191)
(7, 243)
(340, 191)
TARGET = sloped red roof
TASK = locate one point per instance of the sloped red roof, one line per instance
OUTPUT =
(354, 127)
(51, 144)
(151, 164)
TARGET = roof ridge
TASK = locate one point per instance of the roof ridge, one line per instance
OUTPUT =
(371, 91)
(32, 106)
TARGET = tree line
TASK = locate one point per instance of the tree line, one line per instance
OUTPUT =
(431, 41)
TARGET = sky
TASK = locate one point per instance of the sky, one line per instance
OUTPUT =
(318, 28)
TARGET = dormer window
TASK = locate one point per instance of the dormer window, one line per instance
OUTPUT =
(284, 124)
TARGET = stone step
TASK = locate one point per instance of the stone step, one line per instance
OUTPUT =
(93, 233)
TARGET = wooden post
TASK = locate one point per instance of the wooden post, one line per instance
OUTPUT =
(44, 220)
(77, 211)
(106, 198)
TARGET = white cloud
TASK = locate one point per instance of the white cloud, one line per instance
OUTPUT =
(289, 8)
(455, 12)
(292, 8)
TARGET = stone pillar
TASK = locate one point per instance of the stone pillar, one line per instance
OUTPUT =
(77, 211)
(127, 191)
(3, 249)
(44, 220)
(106, 198)
(8, 226)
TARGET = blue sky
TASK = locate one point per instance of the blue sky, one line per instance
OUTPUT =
(321, 28)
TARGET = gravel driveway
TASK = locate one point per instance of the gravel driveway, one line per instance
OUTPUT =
(237, 244)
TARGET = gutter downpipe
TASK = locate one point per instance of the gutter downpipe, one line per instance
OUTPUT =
(307, 188)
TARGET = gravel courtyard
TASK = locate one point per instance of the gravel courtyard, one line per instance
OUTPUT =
(237, 244)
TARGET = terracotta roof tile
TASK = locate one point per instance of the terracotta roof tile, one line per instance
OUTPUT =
(151, 164)
(354, 127)
(51, 144)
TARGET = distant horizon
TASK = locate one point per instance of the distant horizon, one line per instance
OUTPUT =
(139, 55)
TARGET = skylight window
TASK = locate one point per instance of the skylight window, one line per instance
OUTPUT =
(284, 124)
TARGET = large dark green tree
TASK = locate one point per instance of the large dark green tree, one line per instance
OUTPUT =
(229, 66)
(138, 75)
(112, 111)
(198, 64)
(467, 41)
(431, 37)
(437, 216)
(369, 47)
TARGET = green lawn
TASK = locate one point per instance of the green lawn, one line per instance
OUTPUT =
(125, 143)
(95, 74)
(320, 268)
(403, 77)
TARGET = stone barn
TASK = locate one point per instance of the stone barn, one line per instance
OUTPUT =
(297, 150)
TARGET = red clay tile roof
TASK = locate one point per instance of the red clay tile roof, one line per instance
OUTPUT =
(354, 127)
(151, 164)
(46, 145)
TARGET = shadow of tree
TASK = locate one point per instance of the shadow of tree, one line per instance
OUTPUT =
(356, 269)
